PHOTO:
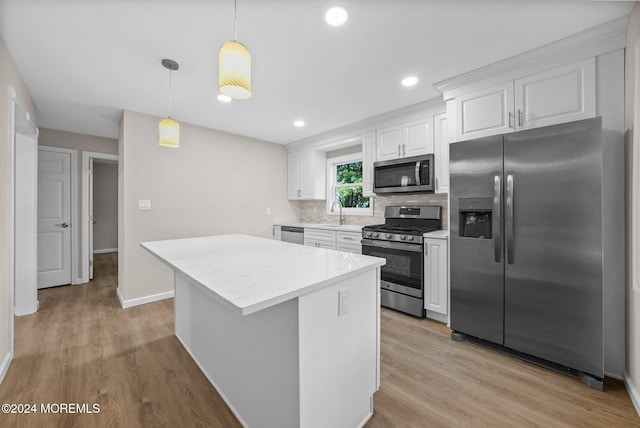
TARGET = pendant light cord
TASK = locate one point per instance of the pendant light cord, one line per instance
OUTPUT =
(235, 23)
(170, 91)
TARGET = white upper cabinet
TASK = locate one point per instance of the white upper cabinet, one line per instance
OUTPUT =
(307, 175)
(441, 152)
(368, 158)
(484, 112)
(563, 94)
(559, 95)
(417, 137)
(404, 140)
(389, 144)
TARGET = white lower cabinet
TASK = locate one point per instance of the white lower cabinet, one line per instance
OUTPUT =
(436, 278)
(333, 240)
(349, 242)
(320, 238)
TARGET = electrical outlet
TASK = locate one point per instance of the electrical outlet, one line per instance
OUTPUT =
(343, 302)
(144, 204)
(268, 211)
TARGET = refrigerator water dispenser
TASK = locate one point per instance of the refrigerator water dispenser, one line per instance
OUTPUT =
(475, 217)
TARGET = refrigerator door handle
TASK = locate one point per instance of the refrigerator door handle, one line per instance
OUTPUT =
(509, 219)
(497, 221)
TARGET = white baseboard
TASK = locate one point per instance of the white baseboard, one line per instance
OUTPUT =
(5, 366)
(142, 300)
(633, 392)
(105, 250)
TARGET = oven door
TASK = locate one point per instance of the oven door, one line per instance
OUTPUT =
(403, 272)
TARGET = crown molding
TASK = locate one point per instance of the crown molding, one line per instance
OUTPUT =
(323, 140)
(592, 42)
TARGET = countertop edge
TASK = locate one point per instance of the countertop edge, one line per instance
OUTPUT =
(265, 304)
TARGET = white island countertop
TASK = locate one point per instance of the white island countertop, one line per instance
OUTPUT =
(248, 274)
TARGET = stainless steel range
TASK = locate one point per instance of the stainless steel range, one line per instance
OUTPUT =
(399, 240)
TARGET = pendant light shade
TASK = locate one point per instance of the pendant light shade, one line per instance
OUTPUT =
(168, 129)
(169, 132)
(235, 70)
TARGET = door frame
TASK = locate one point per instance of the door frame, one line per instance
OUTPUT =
(87, 166)
(19, 121)
(74, 208)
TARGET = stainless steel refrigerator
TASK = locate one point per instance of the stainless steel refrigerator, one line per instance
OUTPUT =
(527, 245)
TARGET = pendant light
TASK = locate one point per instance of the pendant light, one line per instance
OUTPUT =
(169, 130)
(234, 63)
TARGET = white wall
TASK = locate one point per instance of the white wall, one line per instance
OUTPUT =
(215, 183)
(9, 76)
(105, 205)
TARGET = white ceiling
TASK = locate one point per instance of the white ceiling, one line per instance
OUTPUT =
(86, 60)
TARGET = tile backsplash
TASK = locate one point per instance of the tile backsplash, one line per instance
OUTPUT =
(316, 211)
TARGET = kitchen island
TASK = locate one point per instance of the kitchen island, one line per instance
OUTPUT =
(288, 335)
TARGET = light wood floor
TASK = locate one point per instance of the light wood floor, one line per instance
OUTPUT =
(81, 347)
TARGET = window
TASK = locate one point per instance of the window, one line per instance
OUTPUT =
(344, 185)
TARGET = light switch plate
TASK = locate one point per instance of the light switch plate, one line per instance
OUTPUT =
(343, 302)
(144, 204)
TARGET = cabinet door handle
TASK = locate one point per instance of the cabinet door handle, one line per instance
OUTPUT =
(299, 193)
(510, 116)
(519, 118)
(398, 150)
(403, 150)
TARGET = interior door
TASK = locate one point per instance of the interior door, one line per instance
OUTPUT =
(553, 232)
(54, 218)
(477, 271)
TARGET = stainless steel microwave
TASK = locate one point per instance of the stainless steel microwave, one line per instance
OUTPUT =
(406, 175)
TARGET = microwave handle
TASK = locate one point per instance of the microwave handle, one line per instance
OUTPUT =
(418, 173)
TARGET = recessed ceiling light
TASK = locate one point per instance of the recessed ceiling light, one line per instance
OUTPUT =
(224, 98)
(409, 81)
(299, 123)
(336, 15)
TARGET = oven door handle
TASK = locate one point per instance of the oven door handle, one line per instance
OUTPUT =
(418, 182)
(415, 248)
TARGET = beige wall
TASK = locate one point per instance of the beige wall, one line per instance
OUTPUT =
(105, 205)
(633, 298)
(9, 76)
(81, 143)
(215, 183)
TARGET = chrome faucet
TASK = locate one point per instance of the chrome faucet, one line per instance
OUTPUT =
(340, 205)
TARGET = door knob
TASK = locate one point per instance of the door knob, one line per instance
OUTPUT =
(62, 225)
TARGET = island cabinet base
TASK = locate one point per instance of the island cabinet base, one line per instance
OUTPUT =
(312, 361)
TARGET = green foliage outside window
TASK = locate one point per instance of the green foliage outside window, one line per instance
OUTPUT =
(350, 196)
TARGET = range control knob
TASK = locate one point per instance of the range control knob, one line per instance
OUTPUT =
(410, 238)
(403, 237)
(376, 234)
(369, 234)
(387, 235)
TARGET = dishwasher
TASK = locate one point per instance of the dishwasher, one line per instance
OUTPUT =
(292, 234)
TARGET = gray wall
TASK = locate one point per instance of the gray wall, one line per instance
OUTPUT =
(215, 183)
(105, 206)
